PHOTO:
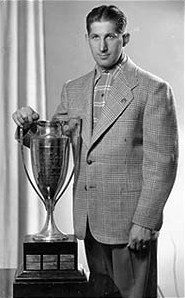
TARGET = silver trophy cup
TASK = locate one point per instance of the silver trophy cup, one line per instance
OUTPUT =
(50, 153)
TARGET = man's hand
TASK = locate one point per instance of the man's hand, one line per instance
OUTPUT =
(139, 237)
(25, 115)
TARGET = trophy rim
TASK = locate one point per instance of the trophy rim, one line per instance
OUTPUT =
(47, 122)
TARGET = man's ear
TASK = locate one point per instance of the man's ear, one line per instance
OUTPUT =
(126, 38)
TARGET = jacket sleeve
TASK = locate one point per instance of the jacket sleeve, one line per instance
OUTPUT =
(72, 126)
(160, 146)
(61, 112)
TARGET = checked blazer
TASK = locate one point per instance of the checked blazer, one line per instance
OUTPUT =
(128, 165)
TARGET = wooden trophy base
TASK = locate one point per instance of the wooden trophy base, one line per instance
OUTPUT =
(49, 270)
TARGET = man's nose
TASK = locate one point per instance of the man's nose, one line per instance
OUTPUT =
(103, 45)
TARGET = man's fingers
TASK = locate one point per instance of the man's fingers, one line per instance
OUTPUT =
(18, 119)
(138, 245)
(132, 245)
(25, 115)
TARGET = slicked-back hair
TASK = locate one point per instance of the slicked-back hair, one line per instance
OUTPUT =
(107, 13)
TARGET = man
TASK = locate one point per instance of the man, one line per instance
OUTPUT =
(128, 160)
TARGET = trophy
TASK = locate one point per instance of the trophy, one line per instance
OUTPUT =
(50, 255)
(50, 152)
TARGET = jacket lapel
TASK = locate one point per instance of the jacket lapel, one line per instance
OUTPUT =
(119, 99)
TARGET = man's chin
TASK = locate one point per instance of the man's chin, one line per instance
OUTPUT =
(105, 65)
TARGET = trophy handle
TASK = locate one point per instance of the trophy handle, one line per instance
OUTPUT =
(25, 168)
(76, 156)
(66, 186)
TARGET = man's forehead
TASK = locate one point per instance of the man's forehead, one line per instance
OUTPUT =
(103, 27)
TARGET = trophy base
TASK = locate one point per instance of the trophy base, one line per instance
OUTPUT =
(50, 255)
(49, 269)
(50, 284)
(46, 238)
(50, 232)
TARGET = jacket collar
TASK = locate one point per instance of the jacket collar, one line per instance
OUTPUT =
(119, 99)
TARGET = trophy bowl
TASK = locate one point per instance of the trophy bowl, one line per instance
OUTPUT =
(50, 153)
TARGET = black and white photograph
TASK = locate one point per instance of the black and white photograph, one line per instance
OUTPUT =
(92, 149)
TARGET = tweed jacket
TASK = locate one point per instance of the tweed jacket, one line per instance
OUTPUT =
(128, 165)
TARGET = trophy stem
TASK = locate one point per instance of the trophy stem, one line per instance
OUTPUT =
(50, 232)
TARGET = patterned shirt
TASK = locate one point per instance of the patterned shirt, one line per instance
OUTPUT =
(102, 86)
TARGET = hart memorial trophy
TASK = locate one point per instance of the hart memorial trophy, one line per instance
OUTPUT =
(50, 257)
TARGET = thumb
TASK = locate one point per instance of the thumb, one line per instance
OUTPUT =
(35, 116)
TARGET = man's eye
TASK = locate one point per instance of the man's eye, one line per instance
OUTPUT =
(111, 36)
(94, 37)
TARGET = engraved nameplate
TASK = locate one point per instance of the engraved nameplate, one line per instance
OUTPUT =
(50, 262)
(67, 262)
(33, 262)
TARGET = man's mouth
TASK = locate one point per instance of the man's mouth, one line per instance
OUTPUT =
(103, 56)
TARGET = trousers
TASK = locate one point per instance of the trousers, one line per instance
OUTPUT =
(117, 271)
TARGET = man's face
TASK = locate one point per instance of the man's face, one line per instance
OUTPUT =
(105, 43)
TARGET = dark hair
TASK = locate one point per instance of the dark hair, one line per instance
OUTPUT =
(107, 13)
